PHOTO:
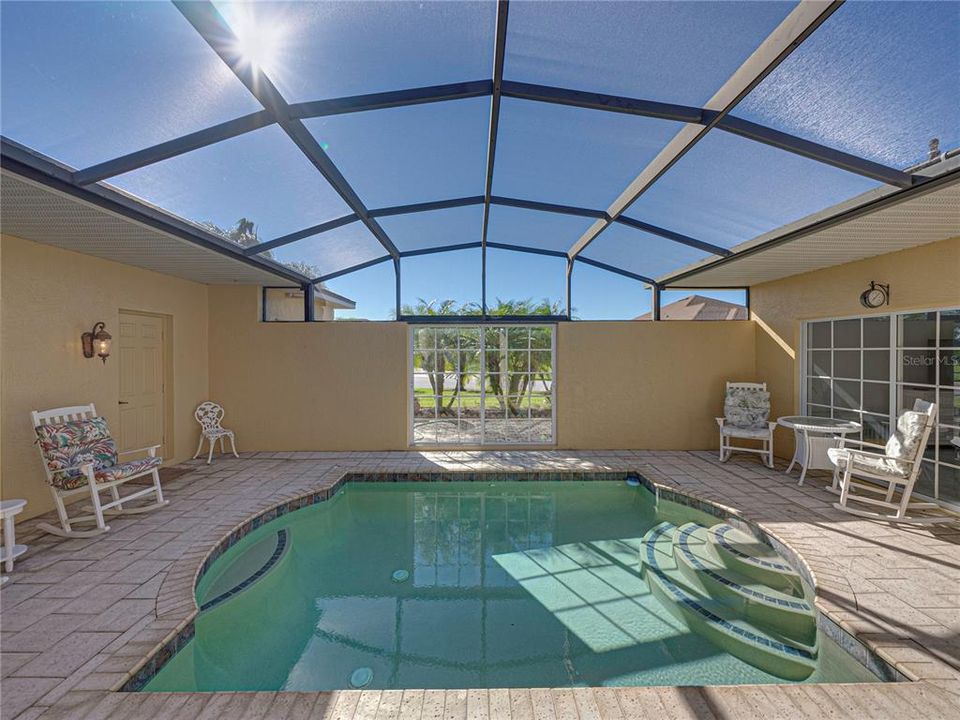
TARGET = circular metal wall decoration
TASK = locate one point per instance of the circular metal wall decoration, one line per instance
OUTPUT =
(875, 296)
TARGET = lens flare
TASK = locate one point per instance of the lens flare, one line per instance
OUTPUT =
(258, 42)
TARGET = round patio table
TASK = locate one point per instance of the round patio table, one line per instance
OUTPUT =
(813, 436)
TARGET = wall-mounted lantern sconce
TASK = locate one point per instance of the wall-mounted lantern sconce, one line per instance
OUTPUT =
(97, 342)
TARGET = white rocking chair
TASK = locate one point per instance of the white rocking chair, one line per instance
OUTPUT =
(895, 468)
(79, 456)
(209, 415)
(746, 410)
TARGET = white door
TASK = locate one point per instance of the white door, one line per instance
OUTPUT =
(141, 356)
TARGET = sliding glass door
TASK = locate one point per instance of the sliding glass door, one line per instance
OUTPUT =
(482, 385)
(870, 368)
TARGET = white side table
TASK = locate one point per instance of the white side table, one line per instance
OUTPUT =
(10, 549)
(813, 436)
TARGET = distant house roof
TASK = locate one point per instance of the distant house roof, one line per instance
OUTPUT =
(326, 296)
(698, 307)
(333, 299)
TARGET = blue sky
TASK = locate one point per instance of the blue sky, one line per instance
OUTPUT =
(87, 81)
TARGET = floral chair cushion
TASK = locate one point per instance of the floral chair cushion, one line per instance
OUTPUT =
(127, 469)
(747, 407)
(73, 443)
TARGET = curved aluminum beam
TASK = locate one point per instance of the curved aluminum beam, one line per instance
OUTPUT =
(786, 37)
(675, 236)
(207, 21)
(479, 88)
(597, 101)
(494, 200)
(439, 249)
(172, 148)
(20, 160)
(615, 270)
(426, 206)
(815, 151)
(352, 268)
(499, 56)
(880, 203)
(527, 249)
(546, 207)
(391, 99)
(301, 234)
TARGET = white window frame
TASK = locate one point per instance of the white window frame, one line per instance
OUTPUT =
(895, 382)
(484, 441)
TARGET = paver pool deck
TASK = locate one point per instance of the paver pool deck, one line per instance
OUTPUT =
(79, 615)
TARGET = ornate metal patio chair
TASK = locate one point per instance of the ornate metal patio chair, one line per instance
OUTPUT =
(80, 456)
(746, 412)
(209, 415)
(894, 469)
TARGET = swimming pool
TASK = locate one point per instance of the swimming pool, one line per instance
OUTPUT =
(503, 584)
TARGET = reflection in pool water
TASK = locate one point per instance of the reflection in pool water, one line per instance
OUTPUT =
(514, 584)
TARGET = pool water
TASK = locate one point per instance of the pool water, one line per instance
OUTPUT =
(455, 585)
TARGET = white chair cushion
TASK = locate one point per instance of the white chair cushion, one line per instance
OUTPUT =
(904, 443)
(873, 465)
(761, 433)
(747, 408)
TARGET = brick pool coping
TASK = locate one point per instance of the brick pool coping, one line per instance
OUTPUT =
(676, 476)
(164, 651)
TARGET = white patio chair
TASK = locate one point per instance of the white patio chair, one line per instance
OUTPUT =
(746, 410)
(894, 469)
(209, 415)
(80, 456)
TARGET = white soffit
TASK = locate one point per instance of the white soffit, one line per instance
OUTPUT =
(35, 212)
(919, 220)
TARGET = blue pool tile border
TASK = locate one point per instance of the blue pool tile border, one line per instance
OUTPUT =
(691, 602)
(264, 569)
(721, 535)
(151, 665)
(683, 537)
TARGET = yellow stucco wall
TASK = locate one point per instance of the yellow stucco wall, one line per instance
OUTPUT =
(51, 296)
(306, 386)
(343, 386)
(923, 277)
(650, 385)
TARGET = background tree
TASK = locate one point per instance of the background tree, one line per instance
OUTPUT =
(509, 374)
(244, 233)
(436, 350)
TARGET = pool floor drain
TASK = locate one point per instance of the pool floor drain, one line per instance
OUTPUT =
(400, 576)
(361, 677)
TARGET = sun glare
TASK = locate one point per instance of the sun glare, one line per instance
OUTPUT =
(258, 43)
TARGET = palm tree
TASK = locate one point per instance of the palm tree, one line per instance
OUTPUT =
(444, 341)
(509, 374)
(244, 233)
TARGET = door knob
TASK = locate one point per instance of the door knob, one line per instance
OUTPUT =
(123, 402)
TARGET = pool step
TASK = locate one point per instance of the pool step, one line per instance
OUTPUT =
(717, 619)
(779, 613)
(745, 554)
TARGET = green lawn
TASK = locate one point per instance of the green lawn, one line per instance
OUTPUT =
(472, 399)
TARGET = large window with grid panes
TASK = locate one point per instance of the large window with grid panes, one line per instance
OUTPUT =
(482, 385)
(871, 368)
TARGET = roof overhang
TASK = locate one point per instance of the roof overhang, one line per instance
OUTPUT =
(880, 221)
(42, 206)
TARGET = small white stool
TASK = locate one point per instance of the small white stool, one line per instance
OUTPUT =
(10, 550)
